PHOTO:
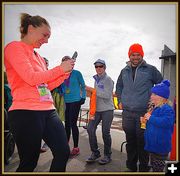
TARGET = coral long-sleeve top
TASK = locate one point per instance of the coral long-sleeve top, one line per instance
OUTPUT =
(25, 71)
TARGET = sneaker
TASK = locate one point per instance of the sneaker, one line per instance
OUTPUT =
(44, 148)
(93, 158)
(105, 160)
(75, 152)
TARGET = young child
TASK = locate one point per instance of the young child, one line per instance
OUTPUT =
(159, 127)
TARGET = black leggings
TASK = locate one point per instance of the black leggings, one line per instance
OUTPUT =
(29, 128)
(71, 117)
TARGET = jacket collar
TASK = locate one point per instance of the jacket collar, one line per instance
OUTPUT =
(142, 64)
(99, 77)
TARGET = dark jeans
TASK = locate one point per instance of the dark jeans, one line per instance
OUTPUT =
(29, 128)
(106, 117)
(135, 141)
(71, 117)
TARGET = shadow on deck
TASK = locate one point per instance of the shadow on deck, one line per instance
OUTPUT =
(78, 163)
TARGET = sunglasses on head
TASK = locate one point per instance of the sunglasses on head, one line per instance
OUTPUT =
(99, 66)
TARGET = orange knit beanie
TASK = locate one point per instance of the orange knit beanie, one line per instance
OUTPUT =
(136, 48)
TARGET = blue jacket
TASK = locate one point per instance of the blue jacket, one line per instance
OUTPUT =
(159, 129)
(74, 90)
(134, 95)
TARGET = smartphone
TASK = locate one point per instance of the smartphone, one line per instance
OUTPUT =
(74, 56)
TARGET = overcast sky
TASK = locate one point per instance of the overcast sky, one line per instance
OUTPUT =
(99, 31)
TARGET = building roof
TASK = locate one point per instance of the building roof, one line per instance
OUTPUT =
(167, 53)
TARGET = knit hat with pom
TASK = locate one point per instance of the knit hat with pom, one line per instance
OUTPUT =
(162, 89)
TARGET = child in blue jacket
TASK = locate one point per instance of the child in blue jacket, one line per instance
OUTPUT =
(159, 127)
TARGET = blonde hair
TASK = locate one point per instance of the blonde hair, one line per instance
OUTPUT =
(164, 101)
(35, 21)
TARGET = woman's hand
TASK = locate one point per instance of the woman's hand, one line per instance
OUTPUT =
(67, 65)
(90, 89)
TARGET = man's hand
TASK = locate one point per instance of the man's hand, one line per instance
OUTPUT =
(120, 106)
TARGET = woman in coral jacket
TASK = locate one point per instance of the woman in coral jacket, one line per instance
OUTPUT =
(32, 116)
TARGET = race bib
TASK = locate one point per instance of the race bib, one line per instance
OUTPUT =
(44, 92)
